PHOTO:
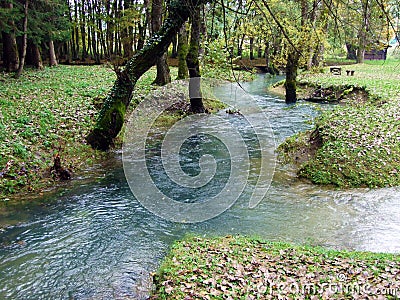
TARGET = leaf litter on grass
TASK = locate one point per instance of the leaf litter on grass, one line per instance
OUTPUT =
(243, 268)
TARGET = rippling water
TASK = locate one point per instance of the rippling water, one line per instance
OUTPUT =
(97, 242)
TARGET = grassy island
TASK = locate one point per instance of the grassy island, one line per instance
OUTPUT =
(356, 144)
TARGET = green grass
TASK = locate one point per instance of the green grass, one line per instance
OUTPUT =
(360, 140)
(247, 268)
(50, 112)
(44, 113)
(379, 78)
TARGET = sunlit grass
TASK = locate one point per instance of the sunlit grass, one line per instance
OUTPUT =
(380, 78)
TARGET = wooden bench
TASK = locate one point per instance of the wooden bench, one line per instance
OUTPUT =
(335, 70)
(350, 72)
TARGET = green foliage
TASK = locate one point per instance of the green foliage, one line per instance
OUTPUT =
(215, 55)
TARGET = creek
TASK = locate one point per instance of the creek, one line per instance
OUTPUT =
(96, 241)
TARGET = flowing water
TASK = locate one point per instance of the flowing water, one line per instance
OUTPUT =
(96, 241)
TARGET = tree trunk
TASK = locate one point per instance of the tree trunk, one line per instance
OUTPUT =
(111, 116)
(76, 29)
(174, 53)
(192, 60)
(52, 55)
(142, 27)
(83, 31)
(163, 75)
(240, 45)
(251, 48)
(72, 41)
(267, 54)
(24, 41)
(292, 65)
(259, 48)
(351, 51)
(10, 49)
(362, 34)
(33, 57)
(182, 53)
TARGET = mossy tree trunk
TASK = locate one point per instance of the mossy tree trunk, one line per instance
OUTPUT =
(182, 53)
(192, 60)
(111, 116)
(292, 65)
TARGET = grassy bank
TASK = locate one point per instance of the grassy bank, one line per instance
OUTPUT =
(48, 113)
(45, 113)
(243, 268)
(357, 144)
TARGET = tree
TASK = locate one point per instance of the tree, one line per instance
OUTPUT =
(24, 41)
(10, 49)
(193, 64)
(163, 74)
(111, 116)
(182, 53)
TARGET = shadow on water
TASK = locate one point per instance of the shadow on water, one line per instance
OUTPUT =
(97, 242)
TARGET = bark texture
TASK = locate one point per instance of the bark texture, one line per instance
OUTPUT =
(182, 53)
(163, 75)
(291, 75)
(52, 55)
(192, 60)
(111, 116)
(10, 49)
(24, 41)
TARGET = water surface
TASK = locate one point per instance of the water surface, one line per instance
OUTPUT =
(97, 242)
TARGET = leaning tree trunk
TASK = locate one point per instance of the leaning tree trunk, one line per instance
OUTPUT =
(163, 75)
(292, 65)
(192, 60)
(111, 116)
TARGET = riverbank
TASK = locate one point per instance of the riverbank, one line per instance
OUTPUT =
(45, 116)
(357, 144)
(246, 268)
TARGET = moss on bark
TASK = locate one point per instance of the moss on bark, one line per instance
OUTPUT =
(108, 123)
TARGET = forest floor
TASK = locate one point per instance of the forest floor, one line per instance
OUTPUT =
(246, 268)
(356, 144)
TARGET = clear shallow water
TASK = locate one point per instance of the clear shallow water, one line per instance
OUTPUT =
(97, 242)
